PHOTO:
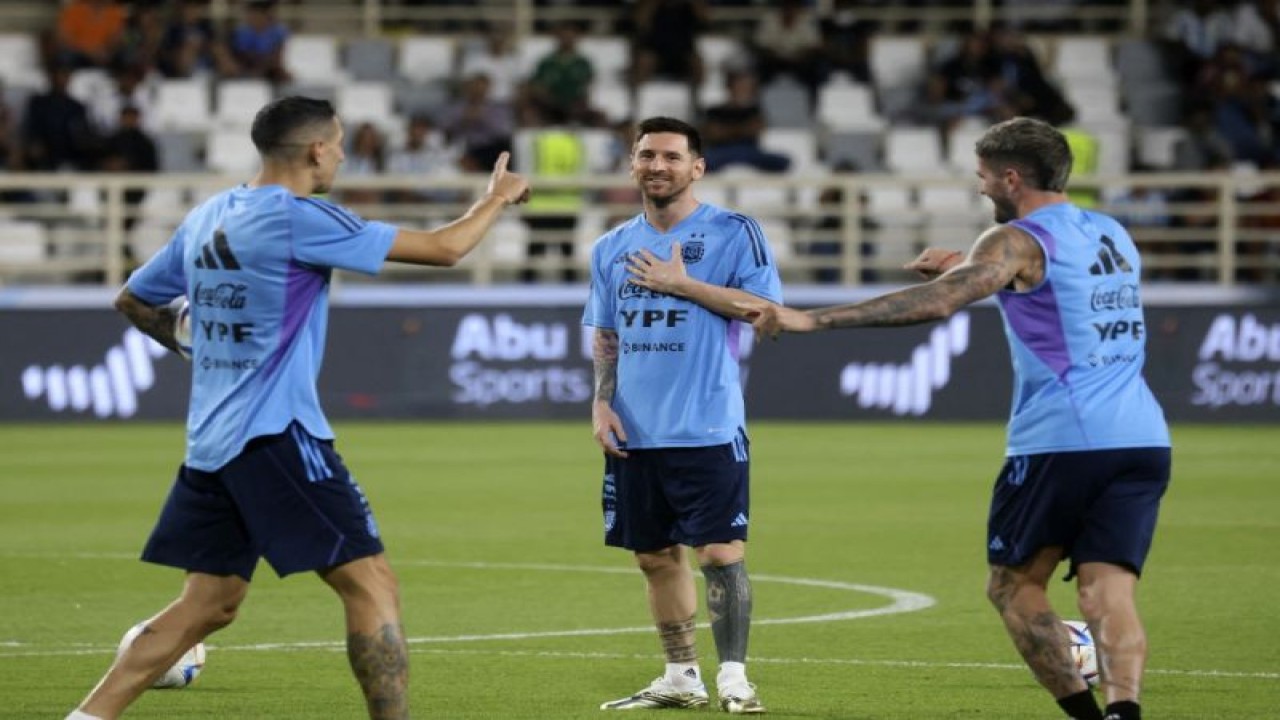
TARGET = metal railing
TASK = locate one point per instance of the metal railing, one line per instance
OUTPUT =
(838, 229)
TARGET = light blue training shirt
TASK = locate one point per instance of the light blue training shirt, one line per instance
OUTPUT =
(678, 376)
(1078, 340)
(255, 264)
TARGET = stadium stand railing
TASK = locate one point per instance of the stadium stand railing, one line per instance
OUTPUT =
(847, 229)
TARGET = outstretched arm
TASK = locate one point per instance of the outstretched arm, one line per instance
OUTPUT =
(669, 277)
(157, 321)
(1001, 257)
(446, 246)
(605, 423)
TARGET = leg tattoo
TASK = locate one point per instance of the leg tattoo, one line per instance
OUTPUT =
(729, 605)
(678, 640)
(381, 665)
(1038, 634)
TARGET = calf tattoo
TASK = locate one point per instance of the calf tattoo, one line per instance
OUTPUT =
(678, 640)
(381, 664)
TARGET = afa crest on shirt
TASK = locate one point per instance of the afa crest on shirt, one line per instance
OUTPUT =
(692, 251)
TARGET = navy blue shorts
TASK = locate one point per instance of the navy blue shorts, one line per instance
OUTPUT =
(1098, 505)
(285, 497)
(676, 496)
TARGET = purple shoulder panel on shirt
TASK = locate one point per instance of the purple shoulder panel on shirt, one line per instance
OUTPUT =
(1034, 316)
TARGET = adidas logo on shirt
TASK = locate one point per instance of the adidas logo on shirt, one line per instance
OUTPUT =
(216, 254)
(740, 521)
(996, 544)
(1110, 261)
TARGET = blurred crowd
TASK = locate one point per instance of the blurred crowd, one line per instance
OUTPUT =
(1222, 56)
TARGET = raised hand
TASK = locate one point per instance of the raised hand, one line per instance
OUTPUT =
(507, 185)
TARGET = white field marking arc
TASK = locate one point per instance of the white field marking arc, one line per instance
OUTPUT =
(90, 649)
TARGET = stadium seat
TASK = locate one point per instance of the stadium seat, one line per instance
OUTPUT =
(853, 150)
(848, 107)
(777, 232)
(231, 152)
(911, 150)
(752, 195)
(610, 56)
(180, 151)
(597, 145)
(427, 58)
(20, 61)
(961, 158)
(799, 145)
(786, 104)
(23, 242)
(182, 105)
(1139, 61)
(370, 59)
(897, 61)
(721, 53)
(1155, 102)
(509, 243)
(592, 223)
(662, 97)
(313, 59)
(237, 102)
(1093, 102)
(531, 49)
(1085, 58)
(368, 101)
(1157, 146)
(712, 190)
(613, 100)
(89, 84)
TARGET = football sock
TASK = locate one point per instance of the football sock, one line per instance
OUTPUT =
(1081, 706)
(684, 675)
(77, 714)
(729, 605)
(1124, 710)
(731, 673)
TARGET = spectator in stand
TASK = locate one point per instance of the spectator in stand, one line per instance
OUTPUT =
(258, 43)
(561, 83)
(1203, 147)
(666, 40)
(1256, 29)
(192, 44)
(141, 39)
(481, 125)
(367, 157)
(130, 150)
(973, 79)
(131, 90)
(1243, 109)
(424, 154)
(1025, 88)
(57, 133)
(731, 130)
(494, 56)
(846, 40)
(1194, 33)
(89, 33)
(11, 156)
(787, 41)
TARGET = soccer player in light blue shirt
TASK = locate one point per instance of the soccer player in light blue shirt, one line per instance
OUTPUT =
(668, 408)
(1088, 457)
(261, 478)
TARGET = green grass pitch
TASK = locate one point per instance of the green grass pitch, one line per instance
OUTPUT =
(516, 610)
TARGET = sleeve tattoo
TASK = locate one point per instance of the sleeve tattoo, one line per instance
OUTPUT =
(604, 355)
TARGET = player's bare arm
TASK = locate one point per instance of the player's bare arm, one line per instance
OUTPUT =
(157, 321)
(669, 277)
(446, 246)
(605, 423)
(1002, 257)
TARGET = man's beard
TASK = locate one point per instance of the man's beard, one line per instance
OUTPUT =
(1003, 210)
(665, 199)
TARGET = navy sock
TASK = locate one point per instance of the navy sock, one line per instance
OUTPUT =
(1124, 710)
(1081, 706)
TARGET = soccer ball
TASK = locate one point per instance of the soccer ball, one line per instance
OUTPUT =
(1083, 651)
(182, 325)
(183, 672)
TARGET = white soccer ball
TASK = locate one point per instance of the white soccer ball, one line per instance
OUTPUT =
(1083, 651)
(182, 325)
(183, 672)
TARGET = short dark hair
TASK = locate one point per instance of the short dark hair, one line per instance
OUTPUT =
(1033, 147)
(276, 125)
(671, 125)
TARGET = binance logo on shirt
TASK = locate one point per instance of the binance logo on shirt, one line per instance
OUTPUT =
(216, 254)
